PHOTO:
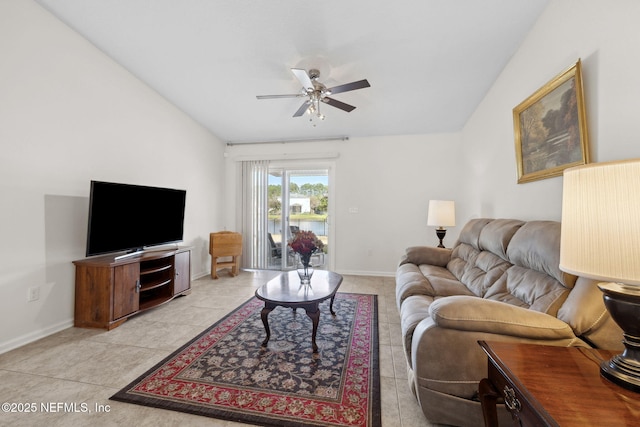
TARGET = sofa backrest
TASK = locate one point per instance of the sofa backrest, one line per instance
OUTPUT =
(534, 280)
(496, 236)
(536, 245)
(479, 256)
(512, 261)
(518, 263)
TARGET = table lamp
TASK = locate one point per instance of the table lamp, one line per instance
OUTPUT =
(442, 213)
(600, 239)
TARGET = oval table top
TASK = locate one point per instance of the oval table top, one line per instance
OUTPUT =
(287, 289)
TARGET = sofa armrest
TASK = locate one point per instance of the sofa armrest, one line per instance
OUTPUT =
(426, 255)
(474, 314)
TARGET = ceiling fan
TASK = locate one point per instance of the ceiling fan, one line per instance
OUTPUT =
(316, 92)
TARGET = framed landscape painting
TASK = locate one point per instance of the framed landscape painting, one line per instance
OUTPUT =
(550, 128)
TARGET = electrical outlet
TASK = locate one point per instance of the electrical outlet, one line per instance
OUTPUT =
(33, 294)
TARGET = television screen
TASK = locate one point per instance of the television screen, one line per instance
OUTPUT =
(124, 217)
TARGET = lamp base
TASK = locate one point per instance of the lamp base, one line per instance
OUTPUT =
(623, 303)
(441, 232)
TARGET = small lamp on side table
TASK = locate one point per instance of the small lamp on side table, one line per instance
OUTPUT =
(442, 213)
(600, 239)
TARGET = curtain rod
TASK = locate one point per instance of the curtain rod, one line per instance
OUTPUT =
(285, 156)
(285, 141)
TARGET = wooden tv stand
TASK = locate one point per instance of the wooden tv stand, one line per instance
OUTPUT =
(108, 291)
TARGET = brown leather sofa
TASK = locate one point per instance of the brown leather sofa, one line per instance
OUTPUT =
(500, 282)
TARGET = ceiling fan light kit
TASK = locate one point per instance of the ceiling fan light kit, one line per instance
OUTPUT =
(317, 93)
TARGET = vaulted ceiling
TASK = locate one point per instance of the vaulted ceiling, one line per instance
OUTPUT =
(429, 62)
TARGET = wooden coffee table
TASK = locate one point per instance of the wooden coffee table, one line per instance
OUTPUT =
(286, 291)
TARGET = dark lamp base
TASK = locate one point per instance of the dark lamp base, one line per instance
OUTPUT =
(441, 232)
(623, 303)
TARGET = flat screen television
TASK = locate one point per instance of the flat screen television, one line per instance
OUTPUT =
(125, 217)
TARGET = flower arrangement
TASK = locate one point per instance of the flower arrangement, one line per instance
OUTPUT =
(305, 243)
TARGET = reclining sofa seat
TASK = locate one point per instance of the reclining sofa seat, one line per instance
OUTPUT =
(500, 282)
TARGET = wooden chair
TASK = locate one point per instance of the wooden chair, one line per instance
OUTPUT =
(225, 244)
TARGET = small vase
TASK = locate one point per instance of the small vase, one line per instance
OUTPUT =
(305, 269)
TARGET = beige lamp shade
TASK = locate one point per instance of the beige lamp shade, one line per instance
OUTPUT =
(442, 213)
(600, 237)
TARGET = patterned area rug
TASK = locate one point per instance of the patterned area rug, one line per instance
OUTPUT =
(225, 373)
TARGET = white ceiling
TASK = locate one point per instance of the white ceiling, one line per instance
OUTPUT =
(429, 62)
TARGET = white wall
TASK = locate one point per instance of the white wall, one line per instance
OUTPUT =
(389, 181)
(606, 36)
(69, 114)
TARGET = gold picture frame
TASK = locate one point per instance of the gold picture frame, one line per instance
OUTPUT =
(550, 128)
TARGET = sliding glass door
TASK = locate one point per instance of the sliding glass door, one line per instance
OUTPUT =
(298, 200)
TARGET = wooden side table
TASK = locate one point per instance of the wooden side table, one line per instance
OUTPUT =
(554, 386)
(225, 245)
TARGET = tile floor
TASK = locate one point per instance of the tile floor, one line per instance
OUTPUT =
(83, 367)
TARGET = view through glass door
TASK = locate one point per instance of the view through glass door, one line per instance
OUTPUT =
(298, 200)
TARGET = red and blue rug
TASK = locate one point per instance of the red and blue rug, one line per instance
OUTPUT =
(224, 372)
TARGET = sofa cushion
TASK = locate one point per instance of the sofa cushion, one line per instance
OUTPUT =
(583, 308)
(530, 289)
(445, 287)
(443, 282)
(477, 270)
(470, 233)
(497, 234)
(536, 245)
(427, 280)
(585, 312)
(410, 281)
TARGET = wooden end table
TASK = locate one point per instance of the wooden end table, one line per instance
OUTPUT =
(286, 291)
(554, 386)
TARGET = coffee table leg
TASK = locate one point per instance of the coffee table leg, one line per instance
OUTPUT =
(265, 321)
(331, 305)
(315, 319)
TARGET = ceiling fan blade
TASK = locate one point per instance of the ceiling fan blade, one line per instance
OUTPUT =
(303, 109)
(360, 84)
(338, 104)
(297, 95)
(303, 77)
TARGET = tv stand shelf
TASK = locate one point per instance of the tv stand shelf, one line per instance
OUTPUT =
(155, 285)
(110, 290)
(156, 270)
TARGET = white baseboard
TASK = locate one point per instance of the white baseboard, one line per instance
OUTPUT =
(366, 273)
(200, 275)
(35, 336)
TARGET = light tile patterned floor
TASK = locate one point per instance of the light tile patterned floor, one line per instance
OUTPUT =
(83, 367)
